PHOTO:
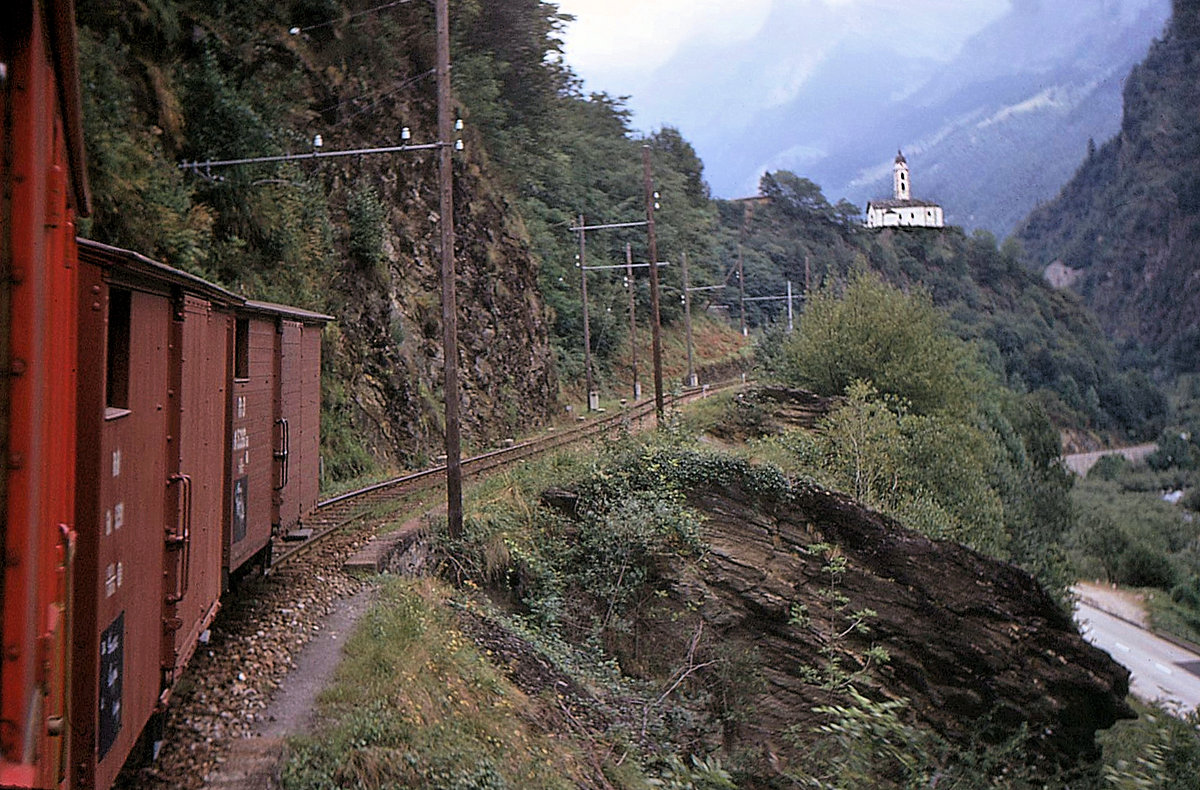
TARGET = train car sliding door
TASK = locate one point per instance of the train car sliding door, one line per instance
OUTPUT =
(123, 395)
(195, 499)
(289, 424)
(252, 417)
(306, 448)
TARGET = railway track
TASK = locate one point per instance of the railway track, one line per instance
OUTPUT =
(345, 509)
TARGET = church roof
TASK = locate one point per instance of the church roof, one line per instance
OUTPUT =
(900, 158)
(893, 203)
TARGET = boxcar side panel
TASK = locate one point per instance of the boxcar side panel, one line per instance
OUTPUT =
(127, 631)
(195, 499)
(289, 424)
(307, 452)
(251, 432)
(37, 335)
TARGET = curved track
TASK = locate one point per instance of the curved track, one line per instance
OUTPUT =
(342, 510)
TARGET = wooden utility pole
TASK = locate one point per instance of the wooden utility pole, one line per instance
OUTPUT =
(454, 512)
(648, 182)
(741, 292)
(740, 271)
(789, 301)
(637, 385)
(687, 323)
(587, 327)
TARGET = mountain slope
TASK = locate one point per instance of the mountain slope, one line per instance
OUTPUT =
(353, 237)
(999, 128)
(1127, 225)
(990, 131)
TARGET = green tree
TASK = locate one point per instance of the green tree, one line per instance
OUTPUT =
(934, 472)
(899, 342)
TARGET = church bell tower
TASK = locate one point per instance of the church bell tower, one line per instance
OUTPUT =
(900, 183)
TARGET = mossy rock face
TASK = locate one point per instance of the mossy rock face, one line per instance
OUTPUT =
(772, 610)
(967, 636)
(357, 238)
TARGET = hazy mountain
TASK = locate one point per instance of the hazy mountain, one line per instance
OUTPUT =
(989, 131)
(1123, 232)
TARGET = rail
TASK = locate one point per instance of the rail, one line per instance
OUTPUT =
(339, 511)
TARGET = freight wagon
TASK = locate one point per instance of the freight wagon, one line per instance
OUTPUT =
(158, 432)
(42, 189)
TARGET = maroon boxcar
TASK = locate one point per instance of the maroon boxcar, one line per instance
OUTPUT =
(275, 442)
(153, 391)
(42, 188)
(252, 420)
(187, 394)
(117, 414)
(297, 415)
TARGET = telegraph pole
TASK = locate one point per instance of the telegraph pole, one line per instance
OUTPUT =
(741, 273)
(648, 180)
(687, 323)
(587, 331)
(741, 291)
(637, 385)
(454, 513)
(789, 300)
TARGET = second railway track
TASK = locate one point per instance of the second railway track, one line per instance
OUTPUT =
(344, 509)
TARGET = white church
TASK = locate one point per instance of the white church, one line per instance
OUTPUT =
(902, 211)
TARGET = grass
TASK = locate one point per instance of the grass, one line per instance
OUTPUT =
(713, 342)
(702, 414)
(1169, 617)
(414, 703)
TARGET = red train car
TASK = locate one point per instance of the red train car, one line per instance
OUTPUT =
(276, 408)
(150, 498)
(297, 405)
(126, 387)
(42, 189)
(189, 401)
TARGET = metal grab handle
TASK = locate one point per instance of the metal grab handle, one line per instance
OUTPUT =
(283, 455)
(184, 537)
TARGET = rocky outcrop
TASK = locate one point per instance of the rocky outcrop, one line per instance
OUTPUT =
(976, 645)
(770, 409)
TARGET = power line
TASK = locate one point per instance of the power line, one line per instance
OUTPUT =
(198, 166)
(295, 31)
(375, 102)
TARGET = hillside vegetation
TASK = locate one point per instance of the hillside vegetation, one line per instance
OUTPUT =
(357, 237)
(1128, 223)
(1031, 337)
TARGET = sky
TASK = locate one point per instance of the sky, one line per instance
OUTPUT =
(708, 67)
(617, 46)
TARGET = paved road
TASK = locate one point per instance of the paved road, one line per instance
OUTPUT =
(1161, 670)
(1080, 463)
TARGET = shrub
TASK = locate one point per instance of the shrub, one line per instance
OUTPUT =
(1109, 467)
(1173, 451)
(1142, 566)
(1187, 593)
(899, 342)
(1192, 500)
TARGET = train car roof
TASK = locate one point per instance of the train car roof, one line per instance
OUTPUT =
(66, 68)
(298, 313)
(139, 265)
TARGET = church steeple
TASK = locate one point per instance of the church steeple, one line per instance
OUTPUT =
(900, 182)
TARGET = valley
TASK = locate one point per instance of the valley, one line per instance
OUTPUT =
(856, 569)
